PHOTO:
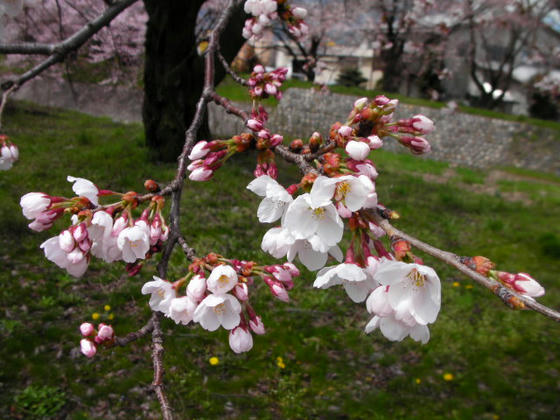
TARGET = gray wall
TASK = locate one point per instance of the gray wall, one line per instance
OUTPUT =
(458, 138)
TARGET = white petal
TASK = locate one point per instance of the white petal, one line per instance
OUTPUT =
(313, 260)
(322, 191)
(372, 324)
(393, 329)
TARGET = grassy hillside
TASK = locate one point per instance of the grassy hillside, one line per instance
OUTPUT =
(483, 360)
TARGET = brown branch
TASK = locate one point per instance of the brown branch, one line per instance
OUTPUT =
(4, 100)
(229, 106)
(135, 335)
(157, 358)
(60, 50)
(230, 71)
(189, 252)
(508, 296)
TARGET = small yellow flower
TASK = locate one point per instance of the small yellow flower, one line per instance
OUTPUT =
(95, 316)
(281, 364)
(418, 380)
(469, 286)
(111, 316)
(456, 284)
(279, 359)
(107, 308)
(495, 417)
(448, 376)
(214, 361)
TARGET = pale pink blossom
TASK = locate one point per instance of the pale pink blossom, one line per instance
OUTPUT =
(355, 280)
(87, 347)
(196, 288)
(257, 325)
(86, 329)
(222, 279)
(240, 340)
(34, 204)
(218, 310)
(199, 150)
(75, 262)
(357, 150)
(422, 124)
(162, 293)
(276, 198)
(85, 188)
(181, 310)
(134, 242)
(105, 333)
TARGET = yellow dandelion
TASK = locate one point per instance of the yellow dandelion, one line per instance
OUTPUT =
(469, 286)
(456, 284)
(418, 380)
(448, 376)
(281, 364)
(111, 316)
(107, 308)
(214, 360)
(495, 417)
(95, 316)
(279, 359)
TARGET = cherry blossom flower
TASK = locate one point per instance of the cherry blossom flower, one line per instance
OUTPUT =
(414, 289)
(222, 279)
(216, 310)
(181, 310)
(162, 293)
(85, 188)
(8, 155)
(86, 329)
(357, 283)
(276, 198)
(422, 124)
(33, 204)
(196, 288)
(240, 340)
(75, 261)
(199, 150)
(134, 242)
(396, 330)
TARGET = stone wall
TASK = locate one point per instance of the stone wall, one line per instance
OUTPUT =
(459, 138)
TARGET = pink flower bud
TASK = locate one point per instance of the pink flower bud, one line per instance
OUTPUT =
(270, 89)
(240, 340)
(86, 329)
(276, 139)
(199, 150)
(201, 174)
(357, 150)
(85, 245)
(525, 284)
(375, 142)
(292, 269)
(80, 232)
(345, 131)
(272, 171)
(257, 325)
(257, 91)
(66, 241)
(87, 348)
(254, 125)
(277, 289)
(359, 104)
(105, 332)
(422, 124)
(258, 69)
(343, 211)
(299, 12)
(264, 134)
(381, 100)
(241, 291)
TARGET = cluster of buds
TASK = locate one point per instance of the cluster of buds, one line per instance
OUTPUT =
(370, 121)
(107, 232)
(521, 283)
(263, 12)
(104, 335)
(263, 84)
(207, 157)
(215, 293)
(9, 153)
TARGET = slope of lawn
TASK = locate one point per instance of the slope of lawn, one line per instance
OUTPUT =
(483, 360)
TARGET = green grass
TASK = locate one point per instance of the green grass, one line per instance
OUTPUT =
(238, 93)
(504, 363)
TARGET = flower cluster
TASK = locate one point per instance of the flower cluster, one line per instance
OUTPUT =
(104, 335)
(263, 84)
(207, 157)
(9, 153)
(216, 294)
(265, 11)
(107, 232)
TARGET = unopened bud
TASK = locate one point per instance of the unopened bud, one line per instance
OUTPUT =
(151, 185)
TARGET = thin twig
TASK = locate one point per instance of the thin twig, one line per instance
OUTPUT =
(135, 335)
(230, 71)
(4, 100)
(157, 358)
(508, 296)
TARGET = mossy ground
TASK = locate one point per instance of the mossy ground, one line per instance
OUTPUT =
(504, 364)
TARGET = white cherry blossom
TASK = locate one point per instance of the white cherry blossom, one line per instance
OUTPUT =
(84, 188)
(357, 283)
(134, 242)
(181, 310)
(162, 293)
(216, 310)
(222, 279)
(276, 198)
(75, 262)
(33, 204)
(240, 340)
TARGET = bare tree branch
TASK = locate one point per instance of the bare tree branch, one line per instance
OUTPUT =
(60, 50)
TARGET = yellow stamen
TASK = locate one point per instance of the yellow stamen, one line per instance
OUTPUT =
(219, 309)
(418, 278)
(319, 212)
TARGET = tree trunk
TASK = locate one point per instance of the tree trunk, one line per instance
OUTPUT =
(174, 73)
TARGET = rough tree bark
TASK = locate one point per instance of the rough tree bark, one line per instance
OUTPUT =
(174, 72)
